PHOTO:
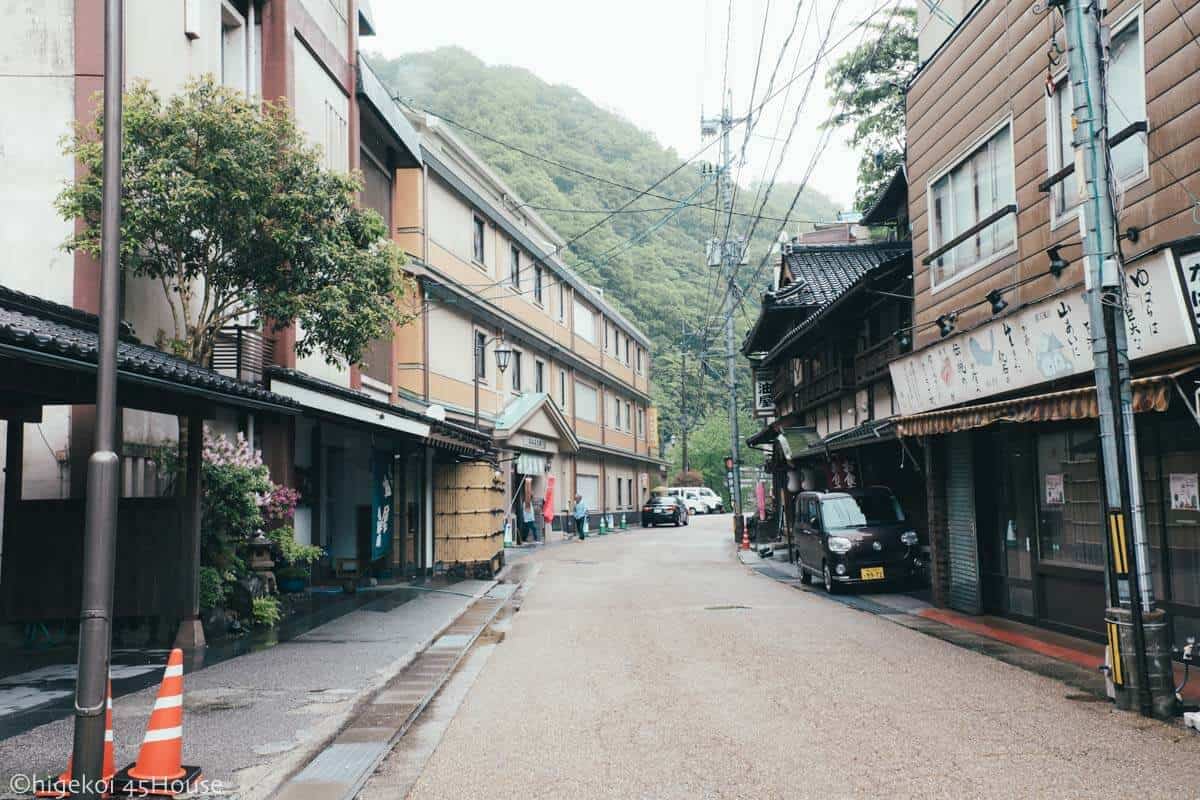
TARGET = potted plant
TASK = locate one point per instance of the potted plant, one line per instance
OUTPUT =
(292, 578)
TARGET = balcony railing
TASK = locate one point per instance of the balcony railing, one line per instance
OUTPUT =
(243, 353)
(873, 361)
(823, 387)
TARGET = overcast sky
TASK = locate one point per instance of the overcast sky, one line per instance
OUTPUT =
(658, 62)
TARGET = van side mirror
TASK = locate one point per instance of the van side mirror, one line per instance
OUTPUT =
(814, 522)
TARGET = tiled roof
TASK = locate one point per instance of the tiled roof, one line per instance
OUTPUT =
(834, 270)
(39, 326)
(827, 270)
(889, 202)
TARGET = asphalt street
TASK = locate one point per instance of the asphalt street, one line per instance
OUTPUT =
(652, 664)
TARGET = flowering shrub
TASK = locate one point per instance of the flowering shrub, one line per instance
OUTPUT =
(280, 503)
(239, 499)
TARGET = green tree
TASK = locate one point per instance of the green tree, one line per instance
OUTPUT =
(232, 213)
(867, 85)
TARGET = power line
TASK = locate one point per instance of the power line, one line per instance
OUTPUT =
(711, 295)
(658, 209)
(812, 165)
(822, 52)
(540, 260)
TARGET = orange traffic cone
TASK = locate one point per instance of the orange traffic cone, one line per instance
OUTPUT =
(59, 788)
(745, 539)
(159, 769)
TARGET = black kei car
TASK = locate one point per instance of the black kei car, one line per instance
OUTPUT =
(855, 537)
(661, 509)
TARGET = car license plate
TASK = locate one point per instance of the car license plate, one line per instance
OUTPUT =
(871, 573)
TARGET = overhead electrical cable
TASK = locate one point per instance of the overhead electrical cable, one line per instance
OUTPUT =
(811, 167)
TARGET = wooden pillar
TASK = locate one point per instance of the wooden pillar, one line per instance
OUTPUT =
(191, 632)
(13, 463)
(935, 505)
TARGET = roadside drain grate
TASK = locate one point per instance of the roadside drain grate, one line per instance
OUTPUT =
(584, 563)
(726, 608)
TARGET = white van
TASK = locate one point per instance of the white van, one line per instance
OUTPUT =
(698, 499)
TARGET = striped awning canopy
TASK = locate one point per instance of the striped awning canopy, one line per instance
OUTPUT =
(1149, 394)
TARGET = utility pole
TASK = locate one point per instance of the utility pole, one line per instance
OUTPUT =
(731, 256)
(683, 423)
(1131, 593)
(100, 522)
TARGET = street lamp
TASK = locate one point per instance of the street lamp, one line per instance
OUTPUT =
(503, 356)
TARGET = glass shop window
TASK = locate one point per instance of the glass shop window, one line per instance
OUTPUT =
(1070, 500)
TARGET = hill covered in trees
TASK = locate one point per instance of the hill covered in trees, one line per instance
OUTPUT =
(649, 260)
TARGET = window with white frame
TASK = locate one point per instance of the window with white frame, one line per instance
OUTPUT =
(480, 355)
(1127, 96)
(639, 361)
(233, 48)
(1126, 101)
(588, 488)
(585, 322)
(629, 417)
(516, 371)
(539, 377)
(477, 242)
(514, 267)
(562, 389)
(586, 399)
(562, 301)
(537, 284)
(615, 422)
(641, 429)
(975, 188)
(1061, 151)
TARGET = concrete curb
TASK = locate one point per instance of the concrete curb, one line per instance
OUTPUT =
(277, 774)
(345, 762)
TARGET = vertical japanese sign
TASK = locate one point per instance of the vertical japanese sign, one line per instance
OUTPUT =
(381, 504)
(764, 393)
(1190, 264)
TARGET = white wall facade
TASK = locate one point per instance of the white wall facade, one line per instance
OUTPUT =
(322, 109)
(332, 17)
(37, 93)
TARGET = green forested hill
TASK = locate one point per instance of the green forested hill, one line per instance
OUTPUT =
(650, 264)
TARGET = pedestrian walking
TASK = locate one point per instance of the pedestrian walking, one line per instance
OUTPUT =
(528, 518)
(580, 514)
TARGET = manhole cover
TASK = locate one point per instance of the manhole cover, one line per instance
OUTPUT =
(725, 608)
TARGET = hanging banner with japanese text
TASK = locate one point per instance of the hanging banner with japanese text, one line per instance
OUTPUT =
(381, 504)
(1043, 342)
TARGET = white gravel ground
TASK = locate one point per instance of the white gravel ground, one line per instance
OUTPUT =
(617, 680)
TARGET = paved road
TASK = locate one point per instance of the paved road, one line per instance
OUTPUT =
(630, 671)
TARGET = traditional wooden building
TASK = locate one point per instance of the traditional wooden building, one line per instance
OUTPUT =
(999, 384)
(821, 349)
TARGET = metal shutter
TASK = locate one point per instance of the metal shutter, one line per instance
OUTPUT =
(960, 507)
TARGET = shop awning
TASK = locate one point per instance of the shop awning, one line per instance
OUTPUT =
(771, 430)
(1149, 394)
(799, 442)
(341, 404)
